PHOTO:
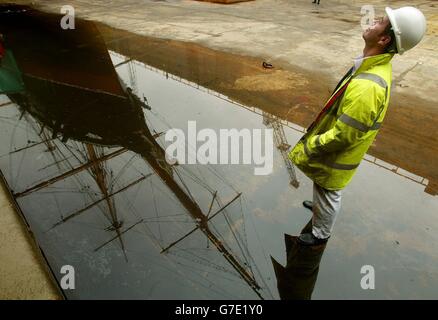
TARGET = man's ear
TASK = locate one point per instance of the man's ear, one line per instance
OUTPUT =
(384, 40)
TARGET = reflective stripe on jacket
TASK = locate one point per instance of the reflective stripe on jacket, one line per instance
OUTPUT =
(330, 152)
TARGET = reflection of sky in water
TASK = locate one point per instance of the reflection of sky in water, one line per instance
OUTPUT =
(386, 220)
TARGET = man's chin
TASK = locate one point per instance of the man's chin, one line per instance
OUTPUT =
(365, 32)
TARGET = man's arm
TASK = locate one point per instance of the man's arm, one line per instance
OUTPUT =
(360, 108)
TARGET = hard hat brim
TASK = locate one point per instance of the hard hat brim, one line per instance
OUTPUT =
(392, 20)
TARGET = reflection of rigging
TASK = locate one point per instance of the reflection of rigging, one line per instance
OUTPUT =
(94, 162)
(113, 117)
(281, 143)
(95, 166)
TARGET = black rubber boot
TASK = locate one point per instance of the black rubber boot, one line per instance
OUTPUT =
(308, 239)
(308, 204)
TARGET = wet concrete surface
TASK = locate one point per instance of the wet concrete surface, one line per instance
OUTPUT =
(85, 163)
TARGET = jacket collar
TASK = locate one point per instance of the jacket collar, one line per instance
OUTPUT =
(372, 61)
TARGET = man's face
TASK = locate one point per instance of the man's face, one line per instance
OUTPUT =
(373, 35)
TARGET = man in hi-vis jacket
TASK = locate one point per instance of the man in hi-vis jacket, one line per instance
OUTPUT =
(334, 145)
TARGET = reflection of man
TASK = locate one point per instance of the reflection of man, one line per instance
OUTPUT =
(331, 150)
(297, 280)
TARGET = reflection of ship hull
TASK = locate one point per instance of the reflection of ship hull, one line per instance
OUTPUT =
(81, 114)
(76, 57)
(90, 117)
(70, 84)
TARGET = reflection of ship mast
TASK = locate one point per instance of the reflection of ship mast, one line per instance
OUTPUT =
(111, 104)
(281, 144)
(99, 174)
(96, 166)
(202, 223)
(144, 148)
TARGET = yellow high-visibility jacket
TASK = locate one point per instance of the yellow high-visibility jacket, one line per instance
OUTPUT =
(330, 152)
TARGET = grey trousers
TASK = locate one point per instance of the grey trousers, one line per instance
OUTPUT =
(326, 206)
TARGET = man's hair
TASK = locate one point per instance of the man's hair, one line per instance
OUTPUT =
(391, 47)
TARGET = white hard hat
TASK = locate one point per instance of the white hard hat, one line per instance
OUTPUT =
(409, 26)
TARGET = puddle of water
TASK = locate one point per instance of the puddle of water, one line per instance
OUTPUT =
(85, 161)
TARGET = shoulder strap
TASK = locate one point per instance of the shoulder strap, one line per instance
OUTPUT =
(330, 103)
(349, 72)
